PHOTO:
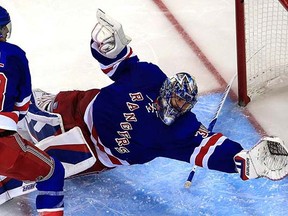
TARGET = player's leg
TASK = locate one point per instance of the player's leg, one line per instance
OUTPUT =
(20, 159)
(50, 200)
(71, 105)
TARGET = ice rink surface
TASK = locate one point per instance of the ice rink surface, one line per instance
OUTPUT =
(195, 36)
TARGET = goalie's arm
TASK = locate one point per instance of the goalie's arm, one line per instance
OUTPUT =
(109, 43)
(215, 151)
(268, 158)
(109, 35)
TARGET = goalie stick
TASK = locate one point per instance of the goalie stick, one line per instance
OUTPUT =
(212, 124)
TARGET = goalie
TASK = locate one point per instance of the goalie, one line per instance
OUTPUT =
(143, 115)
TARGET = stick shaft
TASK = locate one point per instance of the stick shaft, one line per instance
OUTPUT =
(220, 106)
(212, 124)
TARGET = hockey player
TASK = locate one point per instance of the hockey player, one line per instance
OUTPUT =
(19, 158)
(144, 115)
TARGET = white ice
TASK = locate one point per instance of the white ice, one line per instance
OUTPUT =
(55, 35)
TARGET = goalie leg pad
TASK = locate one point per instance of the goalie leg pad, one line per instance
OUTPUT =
(10, 188)
(20, 159)
(41, 124)
(71, 149)
(268, 158)
(4, 195)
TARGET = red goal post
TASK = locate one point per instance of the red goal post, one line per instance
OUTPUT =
(284, 3)
(262, 45)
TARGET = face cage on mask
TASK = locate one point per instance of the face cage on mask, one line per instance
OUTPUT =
(185, 107)
(168, 113)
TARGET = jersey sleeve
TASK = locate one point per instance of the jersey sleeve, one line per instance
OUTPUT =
(24, 87)
(191, 142)
(107, 65)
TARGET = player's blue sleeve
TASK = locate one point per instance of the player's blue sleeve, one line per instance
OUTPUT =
(214, 151)
(191, 142)
(24, 85)
(219, 155)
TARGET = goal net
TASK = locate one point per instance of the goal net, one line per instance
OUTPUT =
(262, 46)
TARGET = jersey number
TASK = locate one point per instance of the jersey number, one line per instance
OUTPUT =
(3, 84)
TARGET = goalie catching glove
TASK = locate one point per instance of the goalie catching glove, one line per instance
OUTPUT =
(268, 158)
(109, 35)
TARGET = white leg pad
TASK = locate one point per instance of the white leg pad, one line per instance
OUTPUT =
(71, 142)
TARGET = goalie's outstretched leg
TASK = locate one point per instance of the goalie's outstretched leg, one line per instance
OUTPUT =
(20, 159)
(268, 158)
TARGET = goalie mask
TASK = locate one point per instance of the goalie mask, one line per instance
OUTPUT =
(5, 24)
(178, 95)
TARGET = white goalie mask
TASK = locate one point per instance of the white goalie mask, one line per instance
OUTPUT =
(178, 95)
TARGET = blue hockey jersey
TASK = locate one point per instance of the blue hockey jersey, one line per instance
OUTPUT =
(15, 85)
(129, 130)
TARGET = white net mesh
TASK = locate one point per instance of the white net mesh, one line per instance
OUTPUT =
(266, 27)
